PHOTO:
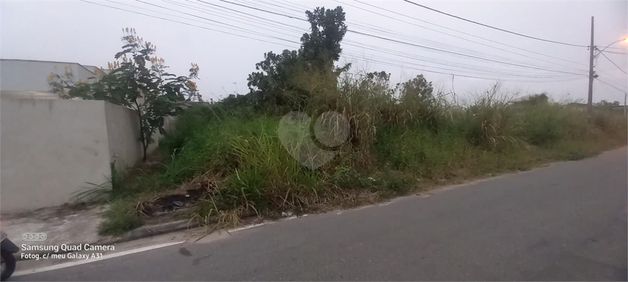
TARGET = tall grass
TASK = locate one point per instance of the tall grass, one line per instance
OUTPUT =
(396, 144)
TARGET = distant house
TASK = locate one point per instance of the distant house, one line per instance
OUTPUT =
(619, 108)
(532, 100)
(579, 106)
(29, 78)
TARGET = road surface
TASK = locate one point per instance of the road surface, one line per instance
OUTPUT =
(567, 221)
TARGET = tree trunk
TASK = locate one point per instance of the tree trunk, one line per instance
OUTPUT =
(142, 137)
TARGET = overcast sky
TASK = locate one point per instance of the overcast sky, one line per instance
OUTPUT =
(76, 31)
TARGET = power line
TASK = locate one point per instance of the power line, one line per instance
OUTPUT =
(221, 15)
(393, 34)
(432, 60)
(460, 75)
(608, 84)
(613, 63)
(609, 76)
(295, 5)
(449, 71)
(407, 43)
(477, 68)
(203, 10)
(388, 32)
(193, 5)
(262, 10)
(244, 13)
(496, 28)
(214, 21)
(284, 7)
(382, 62)
(617, 48)
(456, 53)
(461, 32)
(180, 22)
(458, 31)
(619, 53)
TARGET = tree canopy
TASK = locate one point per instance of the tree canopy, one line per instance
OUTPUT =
(287, 80)
(138, 80)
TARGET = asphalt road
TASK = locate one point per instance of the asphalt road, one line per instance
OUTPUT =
(567, 221)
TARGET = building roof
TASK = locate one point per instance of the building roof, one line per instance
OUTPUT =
(28, 95)
(86, 67)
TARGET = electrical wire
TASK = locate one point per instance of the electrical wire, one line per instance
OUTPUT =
(214, 21)
(432, 60)
(383, 62)
(616, 48)
(406, 43)
(449, 34)
(609, 75)
(493, 27)
(222, 15)
(284, 7)
(459, 75)
(613, 63)
(474, 68)
(244, 13)
(456, 53)
(389, 33)
(613, 86)
(180, 22)
(459, 72)
(618, 53)
(262, 10)
(431, 43)
(465, 33)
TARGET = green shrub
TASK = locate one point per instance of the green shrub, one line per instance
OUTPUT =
(542, 124)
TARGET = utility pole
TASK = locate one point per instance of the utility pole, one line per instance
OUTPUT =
(591, 48)
(625, 97)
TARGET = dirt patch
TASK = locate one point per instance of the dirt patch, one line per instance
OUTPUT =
(178, 200)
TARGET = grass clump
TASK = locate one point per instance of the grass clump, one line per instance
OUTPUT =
(119, 218)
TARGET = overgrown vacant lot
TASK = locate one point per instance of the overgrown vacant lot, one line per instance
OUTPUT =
(400, 142)
(226, 160)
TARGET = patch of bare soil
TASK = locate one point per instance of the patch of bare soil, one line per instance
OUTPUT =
(169, 203)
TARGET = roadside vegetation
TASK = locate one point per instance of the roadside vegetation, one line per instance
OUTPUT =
(404, 138)
(236, 155)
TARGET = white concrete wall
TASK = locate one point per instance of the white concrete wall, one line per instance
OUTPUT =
(49, 149)
(123, 130)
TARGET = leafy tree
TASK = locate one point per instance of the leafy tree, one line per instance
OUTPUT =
(416, 91)
(289, 79)
(321, 47)
(276, 83)
(377, 83)
(417, 98)
(606, 105)
(537, 99)
(137, 80)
